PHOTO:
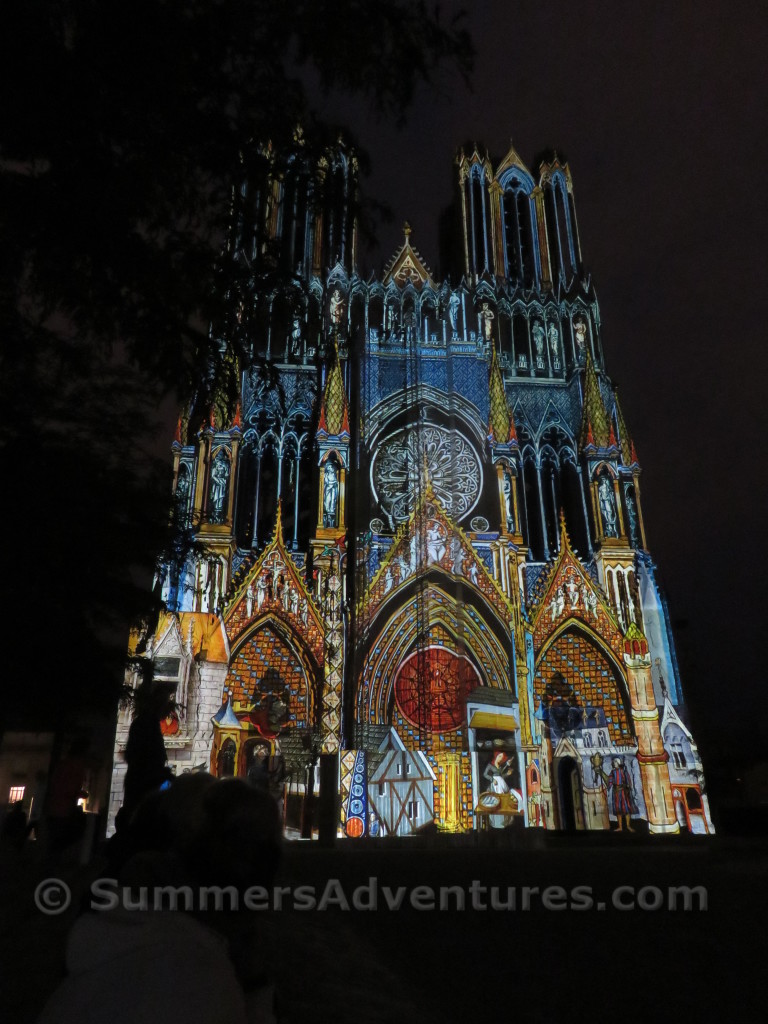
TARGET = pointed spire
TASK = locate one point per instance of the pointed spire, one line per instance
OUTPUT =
(177, 436)
(565, 540)
(595, 423)
(237, 419)
(277, 534)
(334, 411)
(501, 427)
(624, 438)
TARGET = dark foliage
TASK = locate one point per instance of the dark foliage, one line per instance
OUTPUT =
(122, 131)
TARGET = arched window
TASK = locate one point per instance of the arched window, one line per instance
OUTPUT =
(518, 233)
(578, 686)
(478, 221)
(225, 764)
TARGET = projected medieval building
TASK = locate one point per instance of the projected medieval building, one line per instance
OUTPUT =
(424, 547)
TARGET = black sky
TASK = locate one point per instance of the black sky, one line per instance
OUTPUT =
(659, 109)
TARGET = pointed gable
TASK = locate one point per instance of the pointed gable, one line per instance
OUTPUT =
(274, 586)
(569, 592)
(512, 160)
(198, 633)
(407, 266)
(430, 539)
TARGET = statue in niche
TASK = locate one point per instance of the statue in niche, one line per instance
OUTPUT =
(580, 333)
(554, 341)
(261, 591)
(538, 342)
(296, 335)
(607, 507)
(182, 487)
(506, 484)
(249, 601)
(336, 308)
(219, 481)
(487, 316)
(632, 516)
(330, 494)
(453, 312)
(304, 612)
(554, 346)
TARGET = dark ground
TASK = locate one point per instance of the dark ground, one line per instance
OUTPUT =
(456, 966)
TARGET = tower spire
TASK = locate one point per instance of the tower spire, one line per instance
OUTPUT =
(501, 426)
(595, 422)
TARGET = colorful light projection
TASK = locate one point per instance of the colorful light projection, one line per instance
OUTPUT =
(474, 668)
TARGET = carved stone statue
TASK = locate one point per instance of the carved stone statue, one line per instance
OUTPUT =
(182, 487)
(554, 339)
(487, 316)
(632, 515)
(607, 507)
(453, 311)
(435, 543)
(580, 332)
(296, 335)
(219, 481)
(336, 307)
(330, 495)
(508, 502)
(538, 341)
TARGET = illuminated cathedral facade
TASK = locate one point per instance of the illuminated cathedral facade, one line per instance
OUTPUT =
(422, 560)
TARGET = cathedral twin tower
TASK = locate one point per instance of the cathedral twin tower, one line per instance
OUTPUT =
(424, 565)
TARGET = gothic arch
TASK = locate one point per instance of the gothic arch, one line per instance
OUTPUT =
(471, 627)
(269, 658)
(575, 665)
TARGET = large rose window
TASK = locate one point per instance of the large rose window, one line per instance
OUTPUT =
(451, 463)
(431, 688)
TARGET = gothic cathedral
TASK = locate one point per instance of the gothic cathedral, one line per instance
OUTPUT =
(422, 558)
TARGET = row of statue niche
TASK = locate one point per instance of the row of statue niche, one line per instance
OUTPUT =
(274, 586)
(337, 307)
(435, 547)
(570, 596)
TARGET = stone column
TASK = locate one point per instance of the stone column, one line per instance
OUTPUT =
(651, 755)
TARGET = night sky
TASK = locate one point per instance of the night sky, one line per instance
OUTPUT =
(660, 114)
